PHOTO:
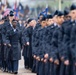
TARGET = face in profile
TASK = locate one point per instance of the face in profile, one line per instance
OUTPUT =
(43, 23)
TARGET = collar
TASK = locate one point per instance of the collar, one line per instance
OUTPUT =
(55, 24)
(14, 29)
(11, 24)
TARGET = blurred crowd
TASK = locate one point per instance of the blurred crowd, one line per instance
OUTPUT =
(23, 12)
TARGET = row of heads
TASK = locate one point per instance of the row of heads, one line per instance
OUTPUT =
(59, 13)
(49, 16)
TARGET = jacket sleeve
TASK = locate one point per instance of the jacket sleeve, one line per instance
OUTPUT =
(23, 37)
(73, 42)
(26, 35)
(61, 46)
(4, 34)
(35, 43)
(8, 37)
(54, 46)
